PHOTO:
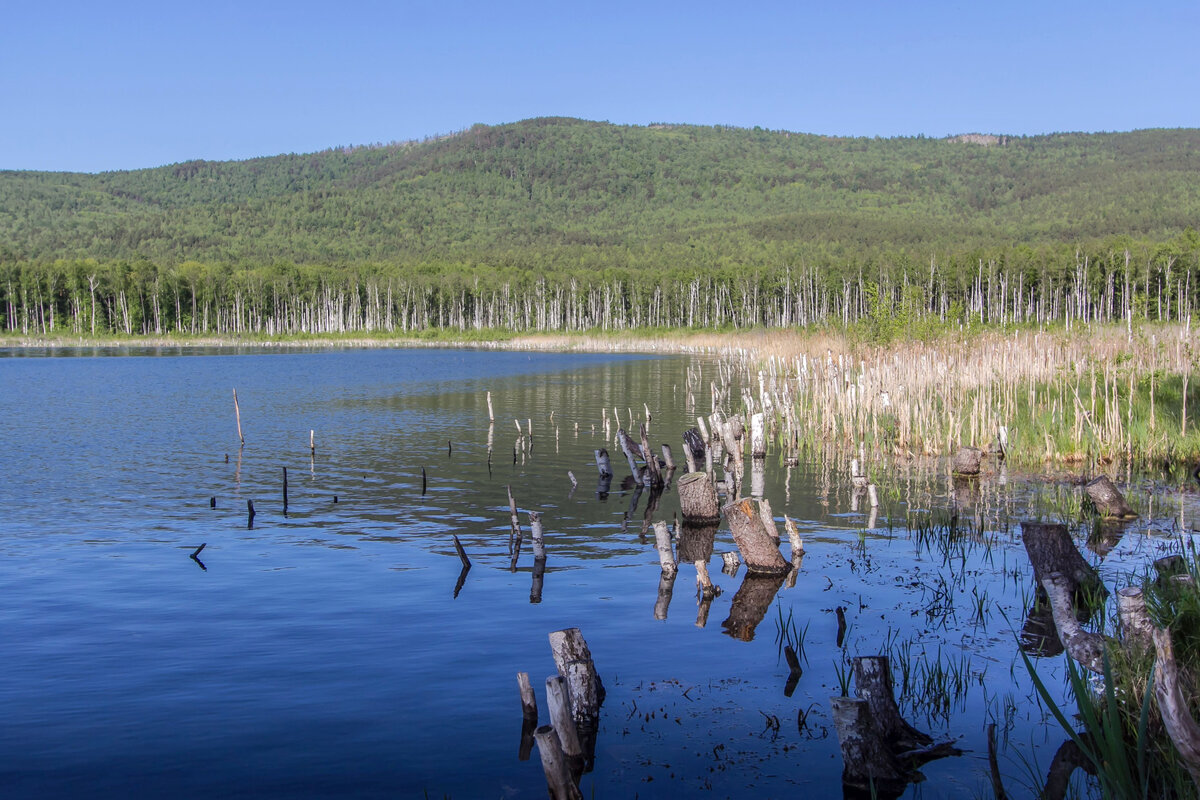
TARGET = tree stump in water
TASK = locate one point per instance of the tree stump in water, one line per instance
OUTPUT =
(1051, 550)
(880, 751)
(758, 549)
(758, 436)
(1137, 630)
(966, 461)
(1107, 499)
(868, 762)
(698, 498)
(584, 689)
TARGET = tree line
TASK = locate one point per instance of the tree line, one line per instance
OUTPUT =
(1117, 280)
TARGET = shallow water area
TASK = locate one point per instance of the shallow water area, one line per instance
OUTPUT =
(323, 649)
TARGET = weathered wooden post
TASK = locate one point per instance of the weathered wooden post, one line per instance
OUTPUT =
(250, 513)
(1137, 630)
(873, 683)
(1051, 550)
(491, 416)
(656, 479)
(584, 689)
(1173, 705)
(285, 499)
(758, 549)
(1085, 647)
(529, 708)
(238, 413)
(668, 458)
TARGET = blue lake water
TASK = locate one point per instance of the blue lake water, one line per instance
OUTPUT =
(322, 653)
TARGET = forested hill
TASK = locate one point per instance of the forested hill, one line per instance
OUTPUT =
(564, 193)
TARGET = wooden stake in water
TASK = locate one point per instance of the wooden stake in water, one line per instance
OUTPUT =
(238, 413)
(249, 513)
(285, 503)
(491, 416)
(529, 707)
(312, 444)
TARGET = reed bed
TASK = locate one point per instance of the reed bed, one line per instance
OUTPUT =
(1098, 393)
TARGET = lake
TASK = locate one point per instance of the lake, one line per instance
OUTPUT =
(323, 651)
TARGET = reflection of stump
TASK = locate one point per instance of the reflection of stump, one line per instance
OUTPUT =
(1107, 499)
(695, 542)
(750, 604)
(1067, 759)
(759, 550)
(1105, 535)
(966, 461)
(873, 683)
(698, 498)
(966, 492)
(1039, 637)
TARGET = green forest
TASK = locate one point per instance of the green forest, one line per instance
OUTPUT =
(561, 224)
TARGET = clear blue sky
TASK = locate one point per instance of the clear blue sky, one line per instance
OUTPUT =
(118, 85)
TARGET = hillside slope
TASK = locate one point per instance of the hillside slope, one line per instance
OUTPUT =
(553, 190)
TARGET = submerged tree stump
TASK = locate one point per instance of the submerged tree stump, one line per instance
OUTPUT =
(1107, 498)
(966, 461)
(698, 501)
(758, 436)
(758, 549)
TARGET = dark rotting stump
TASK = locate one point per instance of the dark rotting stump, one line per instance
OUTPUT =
(966, 461)
(1107, 498)
(1051, 550)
